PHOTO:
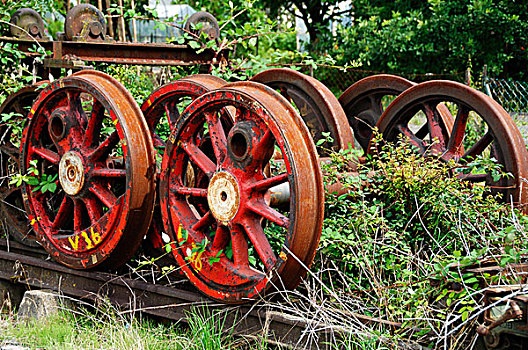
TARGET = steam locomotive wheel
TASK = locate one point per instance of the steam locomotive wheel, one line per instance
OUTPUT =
(86, 21)
(208, 23)
(27, 24)
(246, 243)
(91, 154)
(14, 218)
(363, 104)
(161, 109)
(493, 134)
(318, 107)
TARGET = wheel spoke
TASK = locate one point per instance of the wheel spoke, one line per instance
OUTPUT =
(205, 221)
(240, 247)
(221, 238)
(413, 140)
(104, 149)
(199, 158)
(266, 184)
(473, 177)
(435, 128)
(269, 213)
(376, 106)
(459, 131)
(106, 196)
(171, 110)
(217, 134)
(94, 124)
(94, 209)
(261, 150)
(77, 215)
(47, 154)
(107, 172)
(63, 213)
(479, 146)
(260, 242)
(75, 106)
(188, 191)
(18, 108)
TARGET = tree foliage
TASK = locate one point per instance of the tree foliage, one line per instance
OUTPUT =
(317, 15)
(438, 36)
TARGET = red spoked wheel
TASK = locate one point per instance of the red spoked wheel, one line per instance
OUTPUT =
(163, 107)
(240, 232)
(317, 105)
(363, 104)
(482, 130)
(16, 108)
(95, 188)
(162, 111)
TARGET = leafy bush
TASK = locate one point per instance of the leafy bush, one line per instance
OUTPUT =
(437, 37)
(399, 242)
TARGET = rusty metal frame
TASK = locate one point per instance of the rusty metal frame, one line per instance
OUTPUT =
(119, 53)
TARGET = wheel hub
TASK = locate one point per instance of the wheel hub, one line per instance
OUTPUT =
(223, 196)
(71, 173)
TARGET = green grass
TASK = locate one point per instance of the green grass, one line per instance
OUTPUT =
(107, 329)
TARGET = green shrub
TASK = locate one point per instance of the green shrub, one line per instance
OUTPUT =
(405, 223)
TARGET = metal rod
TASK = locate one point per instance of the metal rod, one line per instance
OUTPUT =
(134, 27)
(121, 21)
(109, 19)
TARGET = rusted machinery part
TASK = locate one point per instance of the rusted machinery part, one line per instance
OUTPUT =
(203, 22)
(318, 107)
(167, 100)
(85, 22)
(500, 138)
(87, 133)
(362, 103)
(241, 245)
(162, 108)
(27, 23)
(14, 218)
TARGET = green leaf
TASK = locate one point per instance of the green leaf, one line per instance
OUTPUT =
(465, 315)
(52, 187)
(194, 44)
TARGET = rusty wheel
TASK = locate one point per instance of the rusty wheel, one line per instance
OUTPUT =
(363, 104)
(14, 219)
(203, 22)
(85, 21)
(27, 24)
(318, 107)
(95, 188)
(162, 111)
(236, 235)
(482, 130)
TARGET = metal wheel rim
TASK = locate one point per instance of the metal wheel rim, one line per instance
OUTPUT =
(109, 237)
(24, 17)
(362, 102)
(502, 131)
(213, 31)
(320, 110)
(11, 203)
(162, 101)
(79, 17)
(230, 281)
